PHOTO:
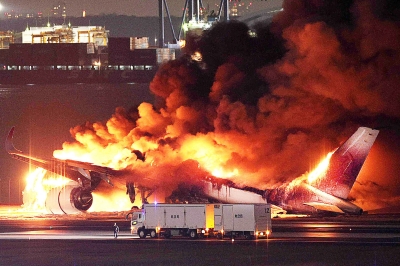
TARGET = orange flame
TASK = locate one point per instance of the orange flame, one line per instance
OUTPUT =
(222, 173)
(201, 148)
(116, 201)
(37, 187)
(320, 170)
(38, 184)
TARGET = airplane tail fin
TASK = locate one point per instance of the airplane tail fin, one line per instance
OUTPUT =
(346, 162)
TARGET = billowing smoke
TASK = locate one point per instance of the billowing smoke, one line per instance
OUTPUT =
(261, 109)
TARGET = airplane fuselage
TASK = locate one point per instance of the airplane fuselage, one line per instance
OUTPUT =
(328, 194)
(304, 198)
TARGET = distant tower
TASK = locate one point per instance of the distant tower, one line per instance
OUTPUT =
(59, 10)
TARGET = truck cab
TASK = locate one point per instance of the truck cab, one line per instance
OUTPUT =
(137, 221)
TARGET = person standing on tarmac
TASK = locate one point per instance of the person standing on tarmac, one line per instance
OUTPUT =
(116, 230)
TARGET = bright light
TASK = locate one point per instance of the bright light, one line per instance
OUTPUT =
(320, 169)
(37, 187)
(318, 172)
(220, 172)
(197, 56)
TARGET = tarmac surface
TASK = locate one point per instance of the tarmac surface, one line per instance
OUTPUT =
(88, 240)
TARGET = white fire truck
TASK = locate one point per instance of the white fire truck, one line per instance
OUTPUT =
(242, 220)
(202, 220)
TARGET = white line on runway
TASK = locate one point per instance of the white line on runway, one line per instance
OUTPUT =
(60, 234)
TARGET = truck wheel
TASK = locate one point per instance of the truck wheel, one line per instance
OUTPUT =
(193, 234)
(248, 237)
(142, 233)
(153, 234)
(167, 234)
(219, 236)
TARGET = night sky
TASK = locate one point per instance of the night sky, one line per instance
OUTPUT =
(122, 7)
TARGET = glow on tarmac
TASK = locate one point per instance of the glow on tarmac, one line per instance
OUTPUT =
(64, 234)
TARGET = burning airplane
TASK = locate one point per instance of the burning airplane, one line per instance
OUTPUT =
(328, 190)
(255, 114)
(323, 191)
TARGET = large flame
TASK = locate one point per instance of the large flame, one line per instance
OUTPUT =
(320, 169)
(314, 175)
(258, 110)
(115, 201)
(38, 184)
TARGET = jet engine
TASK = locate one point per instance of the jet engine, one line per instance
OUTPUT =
(69, 199)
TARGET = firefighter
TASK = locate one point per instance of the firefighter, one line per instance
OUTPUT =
(116, 230)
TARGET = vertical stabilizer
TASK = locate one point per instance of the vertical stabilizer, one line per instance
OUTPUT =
(346, 162)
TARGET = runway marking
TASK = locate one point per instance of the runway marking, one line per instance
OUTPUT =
(61, 234)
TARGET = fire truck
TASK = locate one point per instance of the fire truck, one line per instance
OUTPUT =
(202, 220)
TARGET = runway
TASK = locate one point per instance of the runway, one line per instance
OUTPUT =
(103, 249)
(304, 229)
(287, 237)
(384, 228)
(64, 240)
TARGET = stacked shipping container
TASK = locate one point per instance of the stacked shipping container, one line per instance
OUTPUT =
(130, 51)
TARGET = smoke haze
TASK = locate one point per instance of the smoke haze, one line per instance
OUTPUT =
(262, 110)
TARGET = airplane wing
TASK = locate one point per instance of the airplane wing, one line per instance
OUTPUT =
(324, 207)
(87, 173)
